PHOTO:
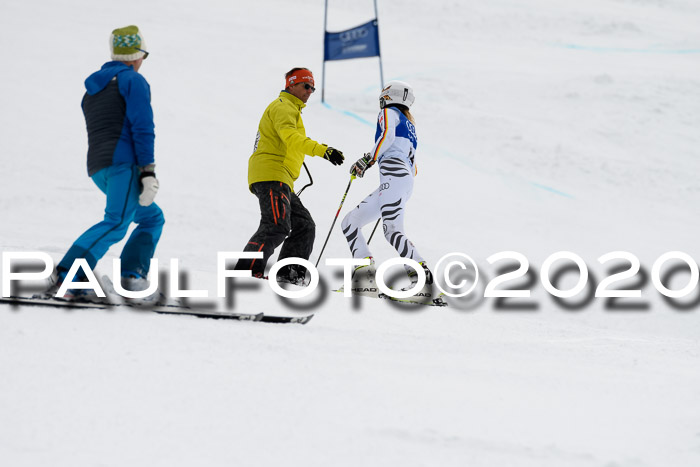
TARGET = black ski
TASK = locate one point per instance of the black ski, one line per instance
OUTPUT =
(163, 310)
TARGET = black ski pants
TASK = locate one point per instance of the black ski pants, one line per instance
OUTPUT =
(282, 216)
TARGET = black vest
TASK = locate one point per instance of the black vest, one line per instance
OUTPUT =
(105, 113)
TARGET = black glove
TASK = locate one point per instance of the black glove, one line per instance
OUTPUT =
(362, 164)
(334, 156)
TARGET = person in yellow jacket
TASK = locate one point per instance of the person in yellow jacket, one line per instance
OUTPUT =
(280, 147)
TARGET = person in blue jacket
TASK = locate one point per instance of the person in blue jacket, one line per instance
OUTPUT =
(120, 160)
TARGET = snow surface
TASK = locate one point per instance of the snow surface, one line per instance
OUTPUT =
(543, 126)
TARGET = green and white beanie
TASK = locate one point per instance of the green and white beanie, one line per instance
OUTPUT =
(124, 44)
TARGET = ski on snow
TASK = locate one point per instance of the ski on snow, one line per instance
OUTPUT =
(421, 298)
(160, 309)
(364, 284)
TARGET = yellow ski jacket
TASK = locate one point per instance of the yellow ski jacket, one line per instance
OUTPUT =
(281, 143)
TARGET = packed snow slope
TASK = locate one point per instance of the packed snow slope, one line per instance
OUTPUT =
(543, 126)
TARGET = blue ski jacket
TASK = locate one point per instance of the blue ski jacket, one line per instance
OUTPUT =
(119, 118)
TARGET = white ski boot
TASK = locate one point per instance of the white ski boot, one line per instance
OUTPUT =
(137, 284)
(426, 295)
(54, 283)
(363, 280)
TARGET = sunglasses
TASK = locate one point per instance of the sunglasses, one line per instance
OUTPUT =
(145, 54)
(307, 86)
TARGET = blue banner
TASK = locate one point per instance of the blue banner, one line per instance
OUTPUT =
(360, 41)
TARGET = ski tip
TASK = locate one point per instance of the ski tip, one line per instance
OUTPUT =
(306, 319)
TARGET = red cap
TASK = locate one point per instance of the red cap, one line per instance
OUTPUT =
(300, 76)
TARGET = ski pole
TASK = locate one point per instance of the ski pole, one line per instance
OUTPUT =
(373, 230)
(352, 177)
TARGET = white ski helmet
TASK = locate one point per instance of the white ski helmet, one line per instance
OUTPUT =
(396, 92)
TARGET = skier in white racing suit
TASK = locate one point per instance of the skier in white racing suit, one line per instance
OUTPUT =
(394, 151)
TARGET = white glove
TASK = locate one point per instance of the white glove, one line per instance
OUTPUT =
(149, 188)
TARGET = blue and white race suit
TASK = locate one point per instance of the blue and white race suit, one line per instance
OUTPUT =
(394, 152)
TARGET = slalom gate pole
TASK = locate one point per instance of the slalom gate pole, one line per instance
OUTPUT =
(352, 177)
(373, 230)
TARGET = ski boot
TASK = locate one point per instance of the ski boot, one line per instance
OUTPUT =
(427, 295)
(413, 275)
(363, 280)
(294, 274)
(134, 283)
(71, 295)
